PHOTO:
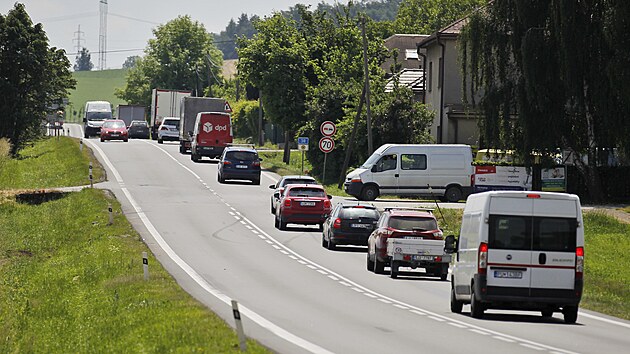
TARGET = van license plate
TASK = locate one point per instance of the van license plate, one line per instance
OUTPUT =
(309, 204)
(508, 274)
(422, 258)
(241, 166)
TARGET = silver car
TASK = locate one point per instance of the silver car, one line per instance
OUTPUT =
(168, 130)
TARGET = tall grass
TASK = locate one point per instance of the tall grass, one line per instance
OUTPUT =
(5, 150)
(49, 162)
(70, 283)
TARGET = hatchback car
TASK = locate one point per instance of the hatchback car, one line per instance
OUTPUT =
(139, 129)
(349, 224)
(285, 181)
(305, 204)
(239, 163)
(114, 129)
(400, 223)
(168, 130)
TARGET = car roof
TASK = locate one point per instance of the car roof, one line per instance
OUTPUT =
(298, 177)
(358, 206)
(241, 148)
(304, 185)
(425, 213)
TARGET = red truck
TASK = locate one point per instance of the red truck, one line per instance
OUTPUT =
(212, 133)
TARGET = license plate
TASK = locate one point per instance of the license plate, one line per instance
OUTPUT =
(361, 226)
(241, 166)
(309, 204)
(422, 258)
(114, 134)
(508, 274)
(413, 238)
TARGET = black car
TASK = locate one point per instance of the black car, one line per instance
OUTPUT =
(285, 181)
(139, 129)
(349, 224)
(239, 163)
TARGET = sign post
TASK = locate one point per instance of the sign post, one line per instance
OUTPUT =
(303, 146)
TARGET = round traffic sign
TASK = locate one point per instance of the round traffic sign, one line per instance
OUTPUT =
(326, 144)
(328, 128)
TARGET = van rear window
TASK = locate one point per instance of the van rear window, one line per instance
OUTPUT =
(532, 233)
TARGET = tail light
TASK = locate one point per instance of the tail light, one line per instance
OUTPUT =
(287, 203)
(256, 163)
(227, 162)
(579, 262)
(472, 180)
(326, 203)
(438, 235)
(164, 128)
(482, 258)
(337, 224)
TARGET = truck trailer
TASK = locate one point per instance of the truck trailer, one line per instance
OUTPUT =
(165, 103)
(190, 108)
(130, 113)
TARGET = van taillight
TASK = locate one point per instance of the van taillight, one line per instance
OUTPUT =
(337, 224)
(482, 258)
(472, 180)
(579, 262)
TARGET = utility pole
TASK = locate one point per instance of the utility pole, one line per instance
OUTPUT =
(261, 140)
(367, 88)
(102, 36)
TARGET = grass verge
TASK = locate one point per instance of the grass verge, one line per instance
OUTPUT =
(70, 283)
(48, 163)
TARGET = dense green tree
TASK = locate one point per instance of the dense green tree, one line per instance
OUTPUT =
(33, 77)
(274, 60)
(83, 61)
(130, 62)
(226, 40)
(181, 56)
(547, 74)
(428, 16)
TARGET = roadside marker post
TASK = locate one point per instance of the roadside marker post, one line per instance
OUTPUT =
(239, 326)
(91, 178)
(145, 265)
(111, 215)
(80, 144)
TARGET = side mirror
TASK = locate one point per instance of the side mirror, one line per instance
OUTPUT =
(272, 186)
(260, 159)
(84, 120)
(276, 195)
(329, 196)
(450, 244)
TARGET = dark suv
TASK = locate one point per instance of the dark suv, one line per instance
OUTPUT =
(239, 163)
(349, 224)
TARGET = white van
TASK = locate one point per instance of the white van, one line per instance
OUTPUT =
(519, 250)
(95, 113)
(442, 171)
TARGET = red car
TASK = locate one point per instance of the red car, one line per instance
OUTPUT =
(114, 129)
(305, 204)
(401, 223)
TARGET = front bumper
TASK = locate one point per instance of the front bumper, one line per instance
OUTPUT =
(353, 188)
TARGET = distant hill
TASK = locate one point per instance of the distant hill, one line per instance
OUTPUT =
(94, 86)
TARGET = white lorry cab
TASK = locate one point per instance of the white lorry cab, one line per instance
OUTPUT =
(95, 113)
(439, 171)
(519, 250)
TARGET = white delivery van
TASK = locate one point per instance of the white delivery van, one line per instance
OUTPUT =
(519, 250)
(442, 171)
(95, 113)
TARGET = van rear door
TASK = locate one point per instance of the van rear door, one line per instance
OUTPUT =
(214, 129)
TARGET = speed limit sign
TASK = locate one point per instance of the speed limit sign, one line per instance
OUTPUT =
(326, 144)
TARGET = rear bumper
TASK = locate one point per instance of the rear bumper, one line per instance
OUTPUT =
(168, 137)
(305, 219)
(346, 238)
(249, 175)
(209, 151)
(499, 297)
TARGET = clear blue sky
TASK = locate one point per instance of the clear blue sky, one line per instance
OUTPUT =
(130, 22)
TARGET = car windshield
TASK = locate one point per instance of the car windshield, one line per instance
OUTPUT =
(288, 181)
(172, 122)
(116, 124)
(409, 223)
(354, 213)
(241, 155)
(371, 161)
(307, 192)
(99, 115)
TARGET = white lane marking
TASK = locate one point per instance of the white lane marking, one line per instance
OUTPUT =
(356, 285)
(311, 266)
(419, 313)
(511, 341)
(321, 272)
(358, 290)
(401, 307)
(333, 277)
(370, 295)
(385, 301)
(531, 346)
(437, 319)
(255, 317)
(456, 325)
(483, 333)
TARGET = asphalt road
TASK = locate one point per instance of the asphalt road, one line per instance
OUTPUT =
(220, 244)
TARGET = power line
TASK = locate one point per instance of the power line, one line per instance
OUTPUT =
(134, 19)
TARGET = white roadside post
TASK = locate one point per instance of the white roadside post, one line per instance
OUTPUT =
(239, 326)
(91, 178)
(145, 265)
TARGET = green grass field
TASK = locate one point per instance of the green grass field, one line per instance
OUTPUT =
(94, 86)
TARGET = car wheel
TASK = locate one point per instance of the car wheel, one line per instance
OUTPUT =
(86, 136)
(394, 270)
(369, 193)
(126, 140)
(276, 224)
(320, 227)
(546, 313)
(160, 141)
(102, 140)
(220, 178)
(570, 314)
(443, 276)
(456, 305)
(256, 182)
(476, 307)
(273, 210)
(194, 157)
(324, 242)
(281, 224)
(331, 245)
(453, 194)
(182, 149)
(370, 263)
(379, 267)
